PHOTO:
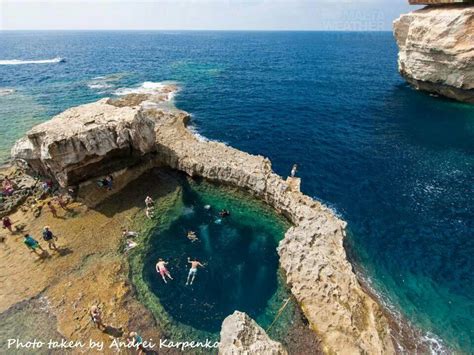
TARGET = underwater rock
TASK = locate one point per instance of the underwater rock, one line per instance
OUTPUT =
(87, 141)
(436, 52)
(240, 334)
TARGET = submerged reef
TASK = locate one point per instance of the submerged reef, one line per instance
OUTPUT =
(343, 315)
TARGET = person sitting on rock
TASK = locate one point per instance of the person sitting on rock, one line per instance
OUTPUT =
(130, 244)
(7, 187)
(150, 212)
(109, 181)
(128, 233)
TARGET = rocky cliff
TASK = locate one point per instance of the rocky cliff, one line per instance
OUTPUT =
(312, 254)
(87, 141)
(241, 335)
(436, 50)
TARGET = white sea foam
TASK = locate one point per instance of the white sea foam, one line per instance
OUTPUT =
(40, 61)
(105, 82)
(426, 339)
(196, 134)
(99, 86)
(150, 87)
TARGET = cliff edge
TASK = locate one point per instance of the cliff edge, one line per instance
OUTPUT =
(436, 50)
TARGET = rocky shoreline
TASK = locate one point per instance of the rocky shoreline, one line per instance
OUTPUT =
(116, 134)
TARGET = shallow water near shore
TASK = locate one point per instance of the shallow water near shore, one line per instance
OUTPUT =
(241, 268)
(397, 164)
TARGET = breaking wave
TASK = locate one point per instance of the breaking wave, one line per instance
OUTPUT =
(168, 90)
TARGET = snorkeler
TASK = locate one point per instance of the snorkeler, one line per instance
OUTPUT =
(192, 236)
(162, 270)
(224, 213)
(193, 271)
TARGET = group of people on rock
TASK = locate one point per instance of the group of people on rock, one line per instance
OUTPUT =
(106, 182)
(48, 237)
(164, 272)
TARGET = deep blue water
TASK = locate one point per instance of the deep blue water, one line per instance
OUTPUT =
(397, 164)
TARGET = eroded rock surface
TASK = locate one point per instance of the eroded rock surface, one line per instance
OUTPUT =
(347, 320)
(240, 335)
(87, 141)
(436, 50)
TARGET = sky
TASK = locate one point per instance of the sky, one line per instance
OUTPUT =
(343, 15)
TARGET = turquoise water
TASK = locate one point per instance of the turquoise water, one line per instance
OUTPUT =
(395, 163)
(238, 253)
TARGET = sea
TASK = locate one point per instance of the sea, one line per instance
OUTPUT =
(395, 163)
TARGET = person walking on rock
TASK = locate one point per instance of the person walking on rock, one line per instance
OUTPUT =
(32, 244)
(49, 237)
(53, 210)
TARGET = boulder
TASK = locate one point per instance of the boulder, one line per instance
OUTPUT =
(240, 334)
(436, 51)
(87, 141)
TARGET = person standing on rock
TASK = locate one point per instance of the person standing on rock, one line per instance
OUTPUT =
(193, 271)
(7, 223)
(53, 210)
(96, 316)
(149, 202)
(294, 169)
(32, 244)
(162, 270)
(49, 238)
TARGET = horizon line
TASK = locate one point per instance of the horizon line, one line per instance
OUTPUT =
(183, 30)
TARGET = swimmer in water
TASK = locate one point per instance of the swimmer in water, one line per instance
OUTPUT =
(224, 213)
(193, 271)
(192, 236)
(162, 270)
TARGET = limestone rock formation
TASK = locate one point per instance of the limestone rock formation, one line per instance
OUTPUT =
(344, 316)
(240, 335)
(87, 141)
(312, 253)
(436, 50)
